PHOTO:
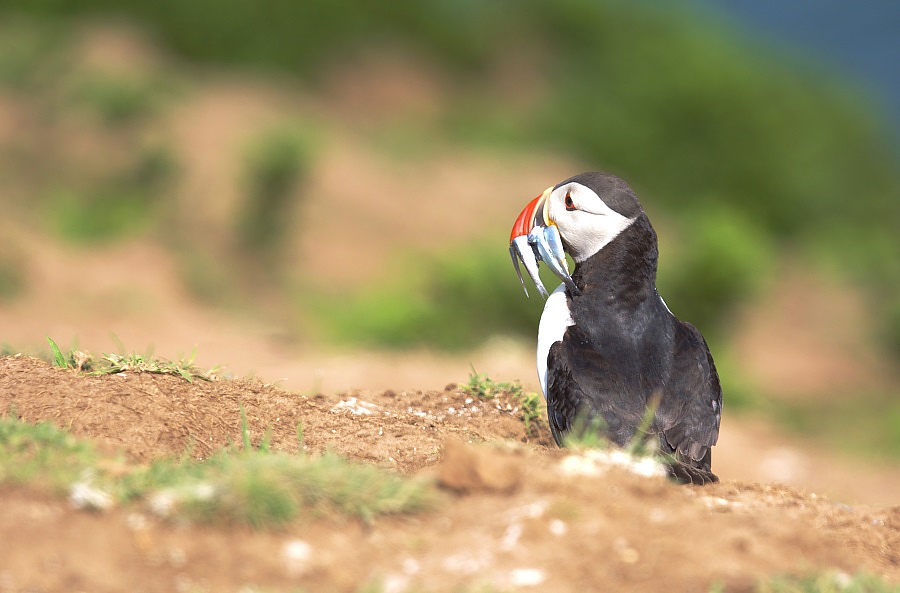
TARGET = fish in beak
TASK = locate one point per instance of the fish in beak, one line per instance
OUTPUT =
(535, 237)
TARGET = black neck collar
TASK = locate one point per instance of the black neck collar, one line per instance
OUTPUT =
(624, 272)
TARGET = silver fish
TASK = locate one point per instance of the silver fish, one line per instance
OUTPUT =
(522, 249)
(553, 254)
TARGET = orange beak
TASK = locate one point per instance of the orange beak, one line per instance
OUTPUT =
(528, 218)
(535, 237)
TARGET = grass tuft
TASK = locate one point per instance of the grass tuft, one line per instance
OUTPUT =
(137, 363)
(59, 359)
(483, 387)
(253, 487)
(41, 455)
(586, 433)
(643, 444)
(823, 582)
(528, 404)
(111, 364)
(262, 489)
(589, 432)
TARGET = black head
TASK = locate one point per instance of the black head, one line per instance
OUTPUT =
(590, 210)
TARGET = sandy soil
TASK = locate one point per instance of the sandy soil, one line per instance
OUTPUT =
(512, 518)
(85, 298)
(550, 532)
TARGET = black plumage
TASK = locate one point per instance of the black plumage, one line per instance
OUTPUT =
(625, 351)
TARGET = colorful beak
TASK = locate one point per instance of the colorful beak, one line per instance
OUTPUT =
(535, 237)
(528, 218)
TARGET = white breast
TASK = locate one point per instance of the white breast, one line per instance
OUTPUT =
(554, 321)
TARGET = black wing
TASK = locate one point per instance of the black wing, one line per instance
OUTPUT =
(585, 384)
(690, 409)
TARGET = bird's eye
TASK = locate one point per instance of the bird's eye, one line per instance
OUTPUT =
(570, 205)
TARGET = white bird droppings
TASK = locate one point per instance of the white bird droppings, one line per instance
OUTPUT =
(355, 406)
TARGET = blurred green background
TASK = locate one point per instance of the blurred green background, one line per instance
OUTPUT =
(759, 171)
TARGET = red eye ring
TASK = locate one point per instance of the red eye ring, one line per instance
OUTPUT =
(570, 205)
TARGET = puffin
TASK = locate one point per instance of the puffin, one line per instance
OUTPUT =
(611, 356)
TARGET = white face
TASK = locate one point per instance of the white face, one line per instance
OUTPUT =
(585, 222)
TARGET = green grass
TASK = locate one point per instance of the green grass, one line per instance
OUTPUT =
(248, 486)
(453, 300)
(589, 432)
(112, 363)
(270, 489)
(118, 99)
(643, 443)
(110, 211)
(828, 582)
(109, 202)
(41, 455)
(586, 433)
(59, 359)
(529, 404)
(137, 363)
(262, 488)
(822, 582)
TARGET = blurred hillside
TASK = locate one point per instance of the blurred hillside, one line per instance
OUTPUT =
(347, 173)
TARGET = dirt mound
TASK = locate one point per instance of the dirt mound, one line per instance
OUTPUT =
(148, 415)
(520, 514)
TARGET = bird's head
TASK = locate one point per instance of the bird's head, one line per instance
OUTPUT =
(587, 212)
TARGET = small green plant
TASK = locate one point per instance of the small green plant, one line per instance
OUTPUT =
(41, 454)
(59, 359)
(483, 387)
(254, 486)
(112, 363)
(258, 487)
(267, 437)
(641, 443)
(137, 363)
(269, 489)
(528, 404)
(587, 432)
(300, 437)
(824, 582)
